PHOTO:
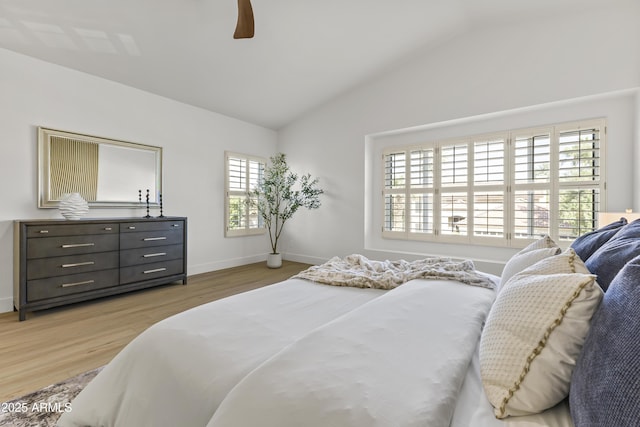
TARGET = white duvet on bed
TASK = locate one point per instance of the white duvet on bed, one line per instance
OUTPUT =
(178, 371)
(303, 354)
(399, 360)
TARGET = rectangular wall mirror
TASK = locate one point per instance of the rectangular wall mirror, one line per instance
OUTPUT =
(106, 172)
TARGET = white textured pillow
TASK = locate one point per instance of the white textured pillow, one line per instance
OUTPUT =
(534, 335)
(566, 262)
(543, 242)
(522, 260)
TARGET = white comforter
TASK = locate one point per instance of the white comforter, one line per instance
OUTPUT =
(399, 360)
(178, 371)
(302, 354)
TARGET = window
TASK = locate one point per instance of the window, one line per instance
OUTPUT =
(502, 189)
(242, 173)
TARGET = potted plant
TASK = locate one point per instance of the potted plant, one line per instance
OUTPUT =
(277, 196)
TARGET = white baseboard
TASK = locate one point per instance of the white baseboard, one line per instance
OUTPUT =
(227, 263)
(236, 262)
(6, 304)
(305, 259)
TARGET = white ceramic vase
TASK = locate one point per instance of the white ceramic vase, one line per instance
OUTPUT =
(73, 206)
(274, 260)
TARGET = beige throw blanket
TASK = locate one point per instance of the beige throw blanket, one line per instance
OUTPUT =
(358, 271)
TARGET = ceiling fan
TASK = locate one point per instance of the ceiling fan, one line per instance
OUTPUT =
(244, 27)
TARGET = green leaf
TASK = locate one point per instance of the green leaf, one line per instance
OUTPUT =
(280, 193)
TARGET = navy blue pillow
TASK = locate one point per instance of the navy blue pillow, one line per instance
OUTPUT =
(587, 244)
(609, 259)
(605, 385)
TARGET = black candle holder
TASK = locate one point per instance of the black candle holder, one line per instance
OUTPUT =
(161, 215)
(147, 215)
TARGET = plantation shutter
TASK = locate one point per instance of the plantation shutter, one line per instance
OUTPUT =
(503, 189)
(454, 175)
(489, 187)
(579, 180)
(256, 173)
(395, 185)
(421, 190)
(408, 191)
(531, 183)
(242, 173)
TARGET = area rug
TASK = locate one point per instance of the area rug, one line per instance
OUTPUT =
(42, 408)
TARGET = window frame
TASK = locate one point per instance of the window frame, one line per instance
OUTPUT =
(229, 193)
(507, 188)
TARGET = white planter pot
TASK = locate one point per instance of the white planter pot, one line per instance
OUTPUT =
(274, 260)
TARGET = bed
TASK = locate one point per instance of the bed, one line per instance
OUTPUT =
(426, 343)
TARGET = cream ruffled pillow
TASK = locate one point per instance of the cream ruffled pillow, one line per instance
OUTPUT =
(540, 249)
(534, 334)
(541, 243)
(521, 261)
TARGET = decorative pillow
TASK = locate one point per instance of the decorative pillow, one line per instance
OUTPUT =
(534, 334)
(605, 383)
(543, 242)
(522, 260)
(609, 259)
(566, 262)
(587, 244)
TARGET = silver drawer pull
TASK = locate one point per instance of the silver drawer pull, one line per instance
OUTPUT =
(78, 264)
(131, 227)
(152, 255)
(68, 285)
(148, 239)
(175, 225)
(44, 232)
(155, 270)
(108, 229)
(78, 245)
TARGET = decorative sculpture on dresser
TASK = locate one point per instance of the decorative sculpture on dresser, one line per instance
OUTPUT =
(73, 206)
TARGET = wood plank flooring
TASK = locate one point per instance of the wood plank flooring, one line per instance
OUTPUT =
(52, 345)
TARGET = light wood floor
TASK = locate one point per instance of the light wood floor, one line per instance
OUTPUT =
(55, 344)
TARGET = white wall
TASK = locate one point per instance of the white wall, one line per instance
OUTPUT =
(35, 93)
(523, 65)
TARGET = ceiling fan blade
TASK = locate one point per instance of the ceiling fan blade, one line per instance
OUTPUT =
(244, 28)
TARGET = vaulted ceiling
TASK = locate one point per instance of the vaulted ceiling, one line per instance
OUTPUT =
(304, 52)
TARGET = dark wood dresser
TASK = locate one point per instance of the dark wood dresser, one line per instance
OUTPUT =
(58, 262)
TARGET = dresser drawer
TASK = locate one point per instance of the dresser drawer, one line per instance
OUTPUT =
(134, 227)
(71, 245)
(54, 230)
(58, 262)
(150, 238)
(65, 265)
(71, 284)
(151, 271)
(131, 257)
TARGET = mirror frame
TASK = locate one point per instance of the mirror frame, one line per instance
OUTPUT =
(44, 167)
